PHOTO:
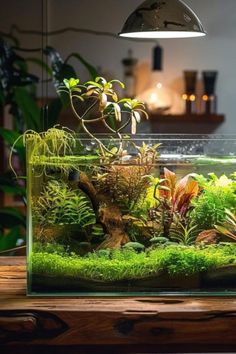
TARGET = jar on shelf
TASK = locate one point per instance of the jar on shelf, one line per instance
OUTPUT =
(209, 98)
(190, 96)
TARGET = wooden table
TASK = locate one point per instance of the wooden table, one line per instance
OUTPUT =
(96, 325)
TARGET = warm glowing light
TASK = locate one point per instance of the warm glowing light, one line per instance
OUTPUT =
(158, 99)
(153, 98)
(185, 97)
(163, 34)
(192, 98)
(205, 98)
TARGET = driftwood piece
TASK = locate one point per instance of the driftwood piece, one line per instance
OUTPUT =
(107, 213)
(208, 237)
(213, 236)
(101, 325)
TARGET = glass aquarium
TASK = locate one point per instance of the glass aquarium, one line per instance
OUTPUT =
(158, 218)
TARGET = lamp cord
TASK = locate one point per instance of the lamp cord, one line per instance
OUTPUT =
(43, 33)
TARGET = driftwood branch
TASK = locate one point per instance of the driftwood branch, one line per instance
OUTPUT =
(107, 214)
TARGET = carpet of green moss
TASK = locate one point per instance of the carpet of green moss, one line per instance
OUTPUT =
(127, 264)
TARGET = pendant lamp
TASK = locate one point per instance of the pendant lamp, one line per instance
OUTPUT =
(163, 19)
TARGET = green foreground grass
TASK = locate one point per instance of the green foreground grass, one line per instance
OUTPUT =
(127, 264)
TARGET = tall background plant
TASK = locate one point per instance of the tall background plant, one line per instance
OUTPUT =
(19, 99)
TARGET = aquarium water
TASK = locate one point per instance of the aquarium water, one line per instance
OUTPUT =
(154, 216)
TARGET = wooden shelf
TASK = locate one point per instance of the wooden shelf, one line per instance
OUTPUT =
(186, 124)
(101, 325)
(193, 118)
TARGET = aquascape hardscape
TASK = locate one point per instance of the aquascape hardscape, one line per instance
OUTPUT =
(126, 214)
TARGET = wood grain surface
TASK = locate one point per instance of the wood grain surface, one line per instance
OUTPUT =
(94, 325)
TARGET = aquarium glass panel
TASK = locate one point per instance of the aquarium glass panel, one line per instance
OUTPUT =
(152, 215)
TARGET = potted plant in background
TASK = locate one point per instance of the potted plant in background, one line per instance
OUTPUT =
(18, 88)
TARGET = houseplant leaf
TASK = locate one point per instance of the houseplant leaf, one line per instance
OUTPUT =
(9, 240)
(91, 69)
(11, 137)
(31, 112)
(11, 217)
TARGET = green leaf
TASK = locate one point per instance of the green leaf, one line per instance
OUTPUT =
(11, 217)
(125, 100)
(118, 82)
(8, 186)
(30, 110)
(71, 83)
(101, 80)
(13, 190)
(213, 176)
(66, 72)
(10, 136)
(93, 84)
(91, 69)
(9, 240)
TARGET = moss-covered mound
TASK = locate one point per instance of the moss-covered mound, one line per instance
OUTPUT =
(125, 264)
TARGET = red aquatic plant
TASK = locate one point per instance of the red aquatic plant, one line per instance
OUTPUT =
(174, 199)
(178, 193)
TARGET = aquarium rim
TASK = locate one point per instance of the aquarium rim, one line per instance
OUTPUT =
(159, 136)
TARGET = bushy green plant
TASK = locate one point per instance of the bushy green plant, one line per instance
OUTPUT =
(50, 248)
(210, 206)
(228, 228)
(60, 205)
(184, 234)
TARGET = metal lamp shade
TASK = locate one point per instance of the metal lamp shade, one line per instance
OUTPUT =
(163, 19)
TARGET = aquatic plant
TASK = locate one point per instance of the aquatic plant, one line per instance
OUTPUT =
(60, 205)
(54, 143)
(147, 153)
(138, 247)
(111, 110)
(174, 200)
(228, 228)
(128, 185)
(213, 180)
(178, 193)
(184, 234)
(217, 195)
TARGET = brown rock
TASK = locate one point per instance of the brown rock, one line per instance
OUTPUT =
(208, 237)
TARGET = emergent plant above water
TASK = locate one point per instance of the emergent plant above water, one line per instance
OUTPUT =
(123, 213)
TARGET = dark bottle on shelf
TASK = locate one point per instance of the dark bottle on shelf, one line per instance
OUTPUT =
(209, 98)
(190, 97)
